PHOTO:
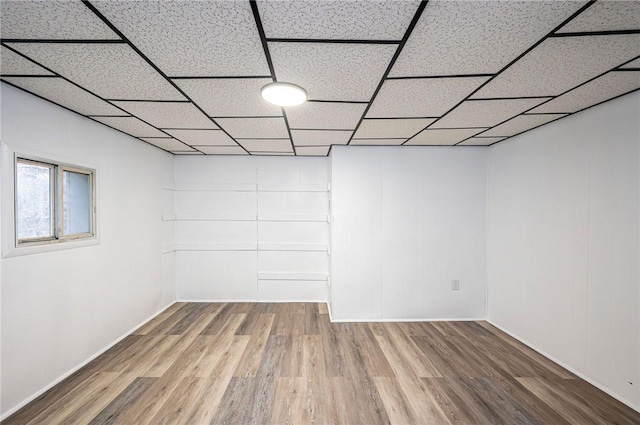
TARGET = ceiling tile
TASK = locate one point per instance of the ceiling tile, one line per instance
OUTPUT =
(633, 64)
(352, 20)
(66, 94)
(265, 145)
(203, 137)
(339, 116)
(444, 136)
(606, 87)
(381, 142)
(332, 71)
(481, 141)
(257, 153)
(51, 20)
(606, 16)
(312, 150)
(423, 97)
(112, 71)
(14, 64)
(131, 125)
(319, 137)
(195, 38)
(167, 144)
(230, 97)
(186, 153)
(168, 114)
(477, 37)
(222, 150)
(559, 64)
(251, 128)
(521, 123)
(485, 113)
(390, 128)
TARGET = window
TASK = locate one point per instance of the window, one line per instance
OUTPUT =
(54, 202)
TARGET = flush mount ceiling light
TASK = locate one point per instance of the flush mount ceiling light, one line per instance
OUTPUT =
(284, 94)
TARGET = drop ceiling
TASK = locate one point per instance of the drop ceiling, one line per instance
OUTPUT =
(185, 76)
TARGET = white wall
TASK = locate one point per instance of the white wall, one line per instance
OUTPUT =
(60, 308)
(405, 222)
(563, 220)
(251, 228)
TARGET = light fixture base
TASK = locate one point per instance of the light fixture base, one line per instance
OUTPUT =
(284, 94)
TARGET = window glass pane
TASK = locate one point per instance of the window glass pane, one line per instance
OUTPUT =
(33, 198)
(76, 202)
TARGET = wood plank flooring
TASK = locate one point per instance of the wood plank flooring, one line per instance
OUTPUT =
(281, 364)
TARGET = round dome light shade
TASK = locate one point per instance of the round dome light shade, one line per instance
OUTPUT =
(284, 94)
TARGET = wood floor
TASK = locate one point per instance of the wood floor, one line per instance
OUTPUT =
(201, 363)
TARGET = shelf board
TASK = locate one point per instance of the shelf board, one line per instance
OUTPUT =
(291, 276)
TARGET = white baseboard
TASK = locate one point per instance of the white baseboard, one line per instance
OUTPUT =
(569, 368)
(249, 301)
(466, 319)
(70, 372)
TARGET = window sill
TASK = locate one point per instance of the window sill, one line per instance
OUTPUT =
(49, 247)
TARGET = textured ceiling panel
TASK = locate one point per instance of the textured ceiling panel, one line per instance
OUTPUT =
(203, 137)
(66, 94)
(477, 37)
(332, 71)
(424, 97)
(312, 150)
(559, 64)
(167, 144)
(444, 136)
(485, 113)
(186, 153)
(257, 153)
(339, 116)
(51, 20)
(213, 52)
(12, 63)
(252, 128)
(168, 114)
(519, 124)
(195, 38)
(480, 141)
(319, 137)
(609, 85)
(381, 128)
(353, 20)
(112, 71)
(379, 142)
(606, 16)
(222, 150)
(266, 145)
(230, 97)
(131, 125)
(633, 64)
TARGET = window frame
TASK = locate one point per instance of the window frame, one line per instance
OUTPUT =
(57, 170)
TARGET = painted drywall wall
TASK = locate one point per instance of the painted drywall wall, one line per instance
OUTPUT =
(405, 223)
(251, 228)
(563, 232)
(60, 308)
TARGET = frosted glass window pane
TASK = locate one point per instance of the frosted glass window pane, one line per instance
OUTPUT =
(76, 203)
(33, 201)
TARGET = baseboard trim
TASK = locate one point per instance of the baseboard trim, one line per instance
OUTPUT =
(65, 375)
(406, 320)
(251, 301)
(569, 368)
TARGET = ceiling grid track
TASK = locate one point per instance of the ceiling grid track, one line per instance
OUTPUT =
(56, 75)
(377, 73)
(121, 35)
(582, 9)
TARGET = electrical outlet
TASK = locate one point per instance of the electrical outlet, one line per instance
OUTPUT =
(455, 285)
